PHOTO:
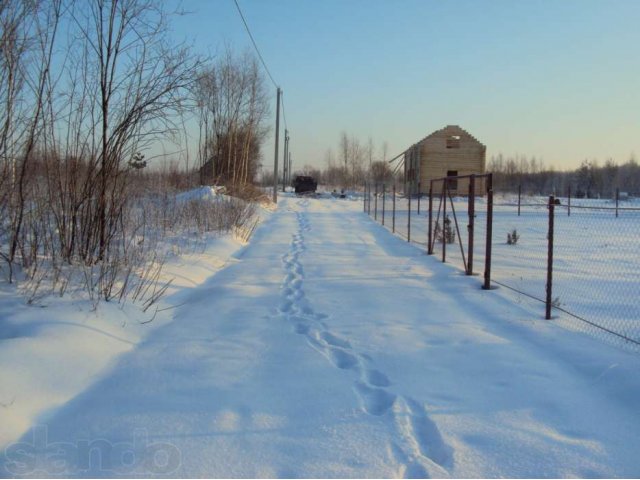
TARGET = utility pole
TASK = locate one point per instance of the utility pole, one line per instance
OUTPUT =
(285, 162)
(275, 156)
(290, 171)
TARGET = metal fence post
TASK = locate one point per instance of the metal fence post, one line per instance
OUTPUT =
(409, 220)
(430, 235)
(364, 198)
(569, 203)
(489, 239)
(519, 196)
(472, 214)
(445, 187)
(617, 200)
(364, 195)
(393, 216)
(550, 258)
(369, 199)
(375, 212)
(384, 201)
(419, 195)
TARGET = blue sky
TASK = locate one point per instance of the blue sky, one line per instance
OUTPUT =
(558, 80)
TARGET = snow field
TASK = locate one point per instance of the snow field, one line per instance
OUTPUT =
(327, 347)
(595, 257)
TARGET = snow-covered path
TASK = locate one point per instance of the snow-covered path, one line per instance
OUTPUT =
(330, 348)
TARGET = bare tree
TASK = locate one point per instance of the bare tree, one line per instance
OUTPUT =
(141, 84)
(370, 152)
(28, 39)
(76, 110)
(232, 105)
(381, 172)
(384, 151)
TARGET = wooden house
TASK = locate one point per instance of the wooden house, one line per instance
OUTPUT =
(451, 151)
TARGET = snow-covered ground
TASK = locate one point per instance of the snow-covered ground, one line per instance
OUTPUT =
(327, 347)
(52, 351)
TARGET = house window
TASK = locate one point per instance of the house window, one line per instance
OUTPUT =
(453, 141)
(453, 184)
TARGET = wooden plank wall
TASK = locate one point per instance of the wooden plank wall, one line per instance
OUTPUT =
(436, 159)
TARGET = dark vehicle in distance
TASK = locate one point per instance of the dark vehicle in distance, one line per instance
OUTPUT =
(303, 184)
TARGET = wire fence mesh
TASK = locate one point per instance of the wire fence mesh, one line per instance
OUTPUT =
(398, 212)
(596, 269)
(520, 247)
(577, 257)
(595, 262)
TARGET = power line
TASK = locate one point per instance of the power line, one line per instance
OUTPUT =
(255, 45)
(280, 102)
(264, 64)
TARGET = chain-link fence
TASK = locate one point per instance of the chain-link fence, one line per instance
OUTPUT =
(597, 267)
(578, 257)
(403, 214)
(520, 247)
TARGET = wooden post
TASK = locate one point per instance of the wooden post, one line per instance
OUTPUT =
(617, 200)
(285, 163)
(275, 155)
(519, 196)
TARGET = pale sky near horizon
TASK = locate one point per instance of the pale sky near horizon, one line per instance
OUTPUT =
(557, 80)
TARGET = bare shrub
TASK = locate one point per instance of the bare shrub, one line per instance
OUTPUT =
(80, 207)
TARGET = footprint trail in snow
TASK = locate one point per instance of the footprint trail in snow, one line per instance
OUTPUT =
(420, 447)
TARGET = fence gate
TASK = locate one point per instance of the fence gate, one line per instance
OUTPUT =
(447, 233)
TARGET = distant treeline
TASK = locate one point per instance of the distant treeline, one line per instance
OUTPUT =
(590, 180)
(357, 162)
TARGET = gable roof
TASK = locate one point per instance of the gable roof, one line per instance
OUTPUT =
(451, 130)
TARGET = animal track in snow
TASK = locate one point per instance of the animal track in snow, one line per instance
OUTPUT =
(341, 358)
(420, 448)
(376, 378)
(421, 435)
(429, 439)
(410, 467)
(307, 310)
(331, 339)
(375, 401)
(287, 291)
(285, 306)
(301, 328)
